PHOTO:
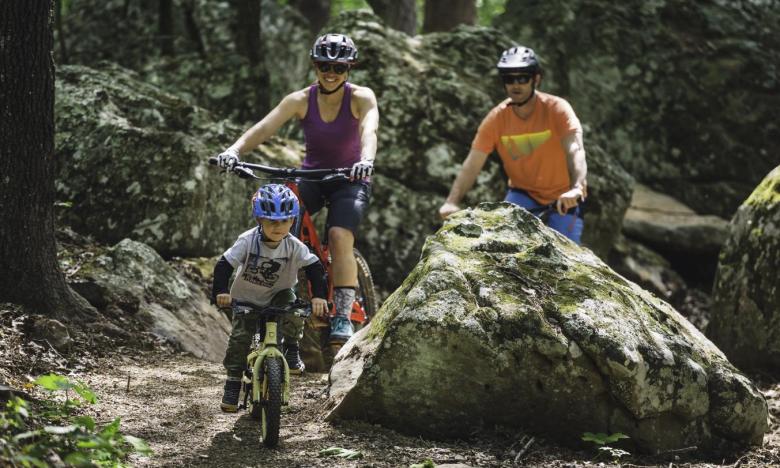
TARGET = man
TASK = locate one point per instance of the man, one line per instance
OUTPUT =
(539, 139)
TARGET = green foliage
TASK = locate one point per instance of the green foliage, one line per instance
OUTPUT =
(489, 9)
(339, 452)
(58, 432)
(600, 438)
(427, 463)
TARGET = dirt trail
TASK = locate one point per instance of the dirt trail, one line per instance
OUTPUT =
(173, 403)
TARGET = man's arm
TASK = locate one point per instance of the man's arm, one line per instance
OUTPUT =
(575, 159)
(578, 171)
(290, 106)
(463, 182)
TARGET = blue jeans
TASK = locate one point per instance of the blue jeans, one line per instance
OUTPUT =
(570, 224)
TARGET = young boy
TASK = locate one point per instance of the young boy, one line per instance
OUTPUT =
(268, 259)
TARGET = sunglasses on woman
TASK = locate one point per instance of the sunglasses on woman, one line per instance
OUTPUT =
(337, 68)
(522, 78)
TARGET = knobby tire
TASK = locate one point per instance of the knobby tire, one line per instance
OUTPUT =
(366, 294)
(272, 402)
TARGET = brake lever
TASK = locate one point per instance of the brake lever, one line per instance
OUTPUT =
(244, 173)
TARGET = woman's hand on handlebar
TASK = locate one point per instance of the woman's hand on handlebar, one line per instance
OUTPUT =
(223, 300)
(319, 307)
(228, 158)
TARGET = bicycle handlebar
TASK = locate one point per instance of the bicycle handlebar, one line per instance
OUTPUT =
(245, 170)
(246, 307)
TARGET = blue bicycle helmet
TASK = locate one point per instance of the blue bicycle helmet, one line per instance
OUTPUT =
(275, 201)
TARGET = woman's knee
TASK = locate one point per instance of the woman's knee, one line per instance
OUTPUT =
(340, 239)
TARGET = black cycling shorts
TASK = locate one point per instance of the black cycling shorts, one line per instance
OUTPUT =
(346, 201)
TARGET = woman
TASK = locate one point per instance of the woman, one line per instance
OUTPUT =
(340, 121)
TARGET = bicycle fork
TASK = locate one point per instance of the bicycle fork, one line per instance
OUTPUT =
(256, 358)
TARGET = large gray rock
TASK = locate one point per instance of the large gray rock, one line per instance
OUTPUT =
(503, 322)
(433, 92)
(662, 221)
(687, 91)
(173, 308)
(746, 312)
(133, 163)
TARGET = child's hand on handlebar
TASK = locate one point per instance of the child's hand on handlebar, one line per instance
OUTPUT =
(224, 300)
(319, 307)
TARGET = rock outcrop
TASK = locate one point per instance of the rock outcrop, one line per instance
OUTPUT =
(504, 322)
(686, 91)
(133, 163)
(135, 280)
(746, 310)
(661, 221)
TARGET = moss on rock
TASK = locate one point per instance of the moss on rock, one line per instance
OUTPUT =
(516, 325)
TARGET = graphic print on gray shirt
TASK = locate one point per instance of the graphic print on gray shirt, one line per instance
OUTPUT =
(262, 271)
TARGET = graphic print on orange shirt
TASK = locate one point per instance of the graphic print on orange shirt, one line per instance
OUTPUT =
(523, 145)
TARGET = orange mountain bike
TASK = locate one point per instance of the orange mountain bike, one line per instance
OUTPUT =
(304, 229)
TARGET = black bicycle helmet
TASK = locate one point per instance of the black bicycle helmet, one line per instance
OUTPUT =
(519, 59)
(334, 48)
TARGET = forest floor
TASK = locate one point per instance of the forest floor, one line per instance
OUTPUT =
(171, 400)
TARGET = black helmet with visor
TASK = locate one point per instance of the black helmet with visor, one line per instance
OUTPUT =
(519, 59)
(334, 48)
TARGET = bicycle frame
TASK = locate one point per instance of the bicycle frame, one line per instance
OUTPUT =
(255, 360)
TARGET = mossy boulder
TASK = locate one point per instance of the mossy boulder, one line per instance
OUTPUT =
(504, 322)
(166, 301)
(687, 91)
(433, 91)
(746, 310)
(132, 161)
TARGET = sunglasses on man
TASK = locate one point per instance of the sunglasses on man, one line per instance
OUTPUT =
(337, 68)
(521, 78)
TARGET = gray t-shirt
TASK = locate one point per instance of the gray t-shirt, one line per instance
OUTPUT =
(262, 271)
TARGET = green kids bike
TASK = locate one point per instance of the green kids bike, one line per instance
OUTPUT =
(266, 382)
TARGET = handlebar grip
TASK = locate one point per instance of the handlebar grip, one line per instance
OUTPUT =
(213, 160)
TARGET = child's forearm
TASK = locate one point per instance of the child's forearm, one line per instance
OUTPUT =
(222, 271)
(315, 273)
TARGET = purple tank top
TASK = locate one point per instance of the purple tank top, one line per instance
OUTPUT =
(331, 144)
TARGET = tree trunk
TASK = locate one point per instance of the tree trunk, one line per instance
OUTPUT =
(165, 27)
(61, 32)
(30, 274)
(193, 30)
(250, 45)
(445, 15)
(398, 14)
(316, 12)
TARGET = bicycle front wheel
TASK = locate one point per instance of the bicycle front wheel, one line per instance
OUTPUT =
(365, 294)
(271, 401)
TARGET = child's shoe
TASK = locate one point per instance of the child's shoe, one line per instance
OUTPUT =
(230, 397)
(293, 357)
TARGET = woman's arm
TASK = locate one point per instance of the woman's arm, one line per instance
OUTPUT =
(368, 115)
(293, 104)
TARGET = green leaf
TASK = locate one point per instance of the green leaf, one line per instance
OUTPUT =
(85, 393)
(616, 436)
(78, 459)
(25, 435)
(427, 463)
(53, 382)
(139, 445)
(598, 438)
(86, 422)
(60, 430)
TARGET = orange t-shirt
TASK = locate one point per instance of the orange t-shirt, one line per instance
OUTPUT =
(531, 149)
